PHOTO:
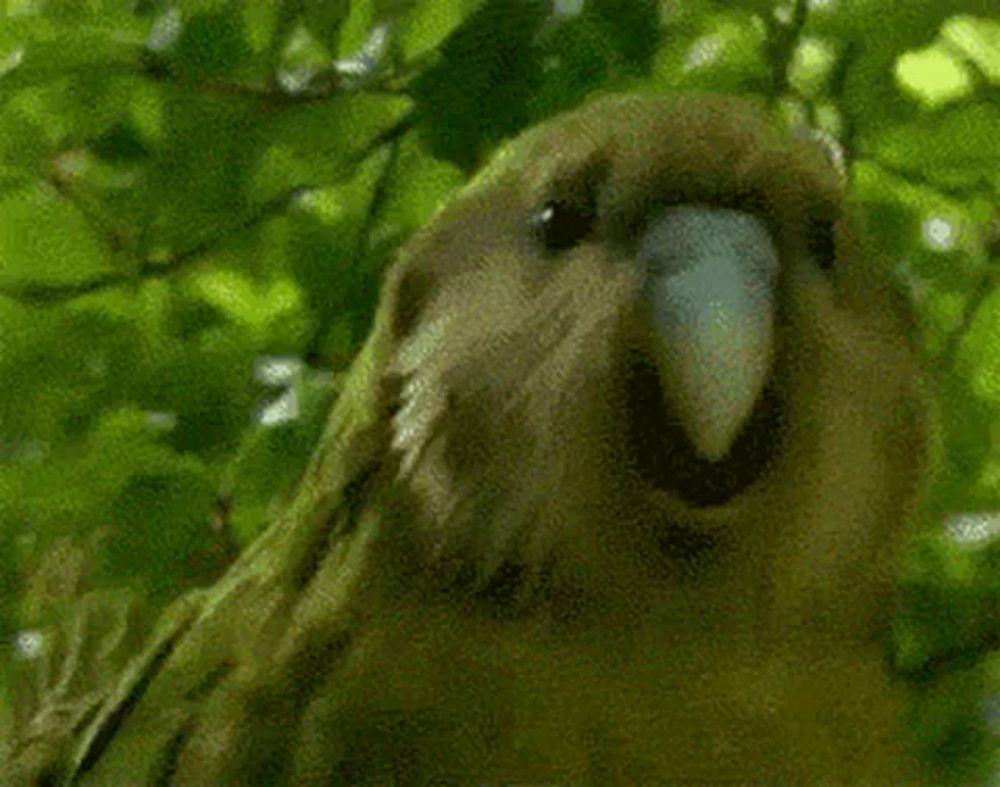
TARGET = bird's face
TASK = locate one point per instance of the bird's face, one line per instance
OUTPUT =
(645, 331)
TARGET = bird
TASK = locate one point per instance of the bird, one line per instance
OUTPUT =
(615, 492)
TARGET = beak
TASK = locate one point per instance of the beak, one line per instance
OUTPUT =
(709, 296)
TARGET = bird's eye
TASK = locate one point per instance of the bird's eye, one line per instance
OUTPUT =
(822, 243)
(562, 224)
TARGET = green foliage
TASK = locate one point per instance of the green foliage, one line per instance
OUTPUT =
(187, 188)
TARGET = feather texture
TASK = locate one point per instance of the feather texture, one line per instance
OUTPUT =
(615, 493)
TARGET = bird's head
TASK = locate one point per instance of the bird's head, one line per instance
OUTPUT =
(647, 330)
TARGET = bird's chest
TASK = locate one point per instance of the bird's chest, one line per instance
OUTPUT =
(441, 697)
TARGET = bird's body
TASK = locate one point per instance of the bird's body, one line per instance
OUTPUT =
(567, 523)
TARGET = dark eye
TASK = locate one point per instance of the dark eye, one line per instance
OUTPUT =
(562, 225)
(822, 243)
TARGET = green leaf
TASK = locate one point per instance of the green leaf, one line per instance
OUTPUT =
(44, 238)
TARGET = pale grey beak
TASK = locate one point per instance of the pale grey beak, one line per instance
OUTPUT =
(710, 300)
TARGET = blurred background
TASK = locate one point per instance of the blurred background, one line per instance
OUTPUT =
(198, 199)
